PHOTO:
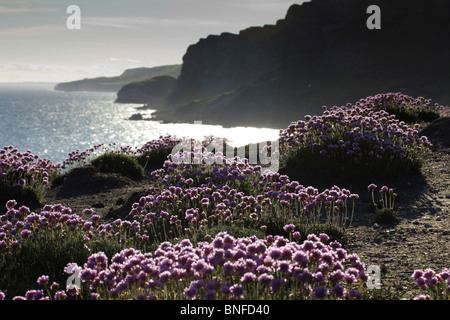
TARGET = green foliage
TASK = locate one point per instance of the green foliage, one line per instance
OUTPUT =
(28, 195)
(326, 160)
(384, 208)
(58, 179)
(48, 252)
(414, 115)
(386, 215)
(119, 163)
(388, 292)
(153, 159)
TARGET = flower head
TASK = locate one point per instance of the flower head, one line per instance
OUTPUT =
(320, 292)
(42, 280)
(289, 228)
(237, 291)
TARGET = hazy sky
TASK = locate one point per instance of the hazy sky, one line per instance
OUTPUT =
(36, 45)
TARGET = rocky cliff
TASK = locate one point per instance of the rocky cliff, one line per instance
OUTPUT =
(149, 91)
(321, 53)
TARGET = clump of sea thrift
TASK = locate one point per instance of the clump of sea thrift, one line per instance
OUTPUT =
(224, 268)
(157, 150)
(79, 158)
(404, 107)
(434, 286)
(28, 237)
(38, 294)
(385, 207)
(200, 196)
(24, 176)
(354, 141)
(228, 268)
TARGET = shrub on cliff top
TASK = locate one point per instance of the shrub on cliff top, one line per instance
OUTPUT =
(119, 163)
(404, 107)
(23, 175)
(355, 141)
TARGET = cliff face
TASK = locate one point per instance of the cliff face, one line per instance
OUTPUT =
(321, 53)
(149, 91)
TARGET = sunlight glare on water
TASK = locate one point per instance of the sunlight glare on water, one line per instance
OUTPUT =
(236, 136)
(51, 124)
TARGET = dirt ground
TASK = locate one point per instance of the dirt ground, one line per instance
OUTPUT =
(421, 239)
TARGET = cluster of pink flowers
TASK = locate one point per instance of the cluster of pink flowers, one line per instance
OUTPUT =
(434, 285)
(402, 102)
(225, 268)
(81, 158)
(363, 138)
(20, 225)
(358, 132)
(24, 168)
(164, 144)
(191, 196)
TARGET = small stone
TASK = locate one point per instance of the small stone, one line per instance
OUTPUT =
(136, 116)
(376, 225)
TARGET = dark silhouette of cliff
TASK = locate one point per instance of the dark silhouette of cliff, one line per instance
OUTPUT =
(149, 91)
(321, 53)
(114, 84)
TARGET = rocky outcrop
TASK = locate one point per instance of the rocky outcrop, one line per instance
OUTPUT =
(136, 116)
(321, 53)
(114, 84)
(149, 91)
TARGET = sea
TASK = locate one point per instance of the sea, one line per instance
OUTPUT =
(51, 124)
